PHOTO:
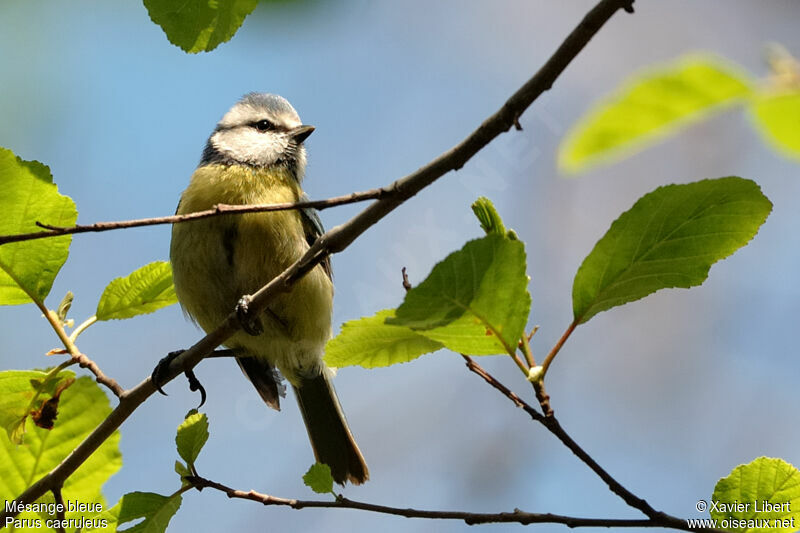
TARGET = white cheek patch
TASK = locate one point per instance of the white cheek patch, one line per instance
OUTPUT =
(248, 145)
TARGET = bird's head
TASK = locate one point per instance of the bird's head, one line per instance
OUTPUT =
(260, 130)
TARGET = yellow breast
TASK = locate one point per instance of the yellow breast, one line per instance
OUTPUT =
(219, 259)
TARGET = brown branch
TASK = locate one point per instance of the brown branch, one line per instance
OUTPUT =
(657, 518)
(338, 238)
(508, 393)
(60, 509)
(559, 344)
(341, 502)
(84, 362)
(217, 210)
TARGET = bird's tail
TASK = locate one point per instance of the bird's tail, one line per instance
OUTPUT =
(330, 437)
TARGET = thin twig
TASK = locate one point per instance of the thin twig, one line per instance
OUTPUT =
(217, 210)
(508, 393)
(341, 502)
(76, 357)
(525, 346)
(554, 351)
(406, 283)
(60, 509)
(82, 327)
(84, 362)
(551, 423)
(337, 239)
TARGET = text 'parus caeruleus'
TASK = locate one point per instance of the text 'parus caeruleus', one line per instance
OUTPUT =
(256, 156)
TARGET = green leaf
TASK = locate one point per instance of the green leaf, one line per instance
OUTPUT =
(669, 238)
(143, 291)
(764, 489)
(183, 471)
(192, 436)
(488, 217)
(370, 343)
(81, 408)
(475, 302)
(157, 511)
(64, 306)
(651, 105)
(199, 25)
(319, 478)
(28, 195)
(25, 391)
(777, 116)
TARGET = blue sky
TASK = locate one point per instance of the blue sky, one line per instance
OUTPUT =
(668, 394)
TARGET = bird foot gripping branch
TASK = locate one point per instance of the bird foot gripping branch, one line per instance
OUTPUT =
(160, 372)
(250, 324)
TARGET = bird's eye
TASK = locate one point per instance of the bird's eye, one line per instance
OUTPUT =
(264, 125)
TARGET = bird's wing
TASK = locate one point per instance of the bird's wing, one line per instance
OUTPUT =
(313, 228)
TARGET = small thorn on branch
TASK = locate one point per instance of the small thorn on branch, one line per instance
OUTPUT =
(49, 227)
(406, 283)
(517, 125)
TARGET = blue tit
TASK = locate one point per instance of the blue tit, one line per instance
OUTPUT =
(256, 156)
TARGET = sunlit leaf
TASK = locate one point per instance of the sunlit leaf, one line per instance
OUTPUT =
(669, 238)
(82, 407)
(763, 495)
(370, 342)
(192, 436)
(24, 391)
(650, 105)
(155, 509)
(142, 291)
(777, 116)
(475, 301)
(28, 195)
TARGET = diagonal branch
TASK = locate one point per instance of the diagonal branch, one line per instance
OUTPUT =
(657, 518)
(338, 238)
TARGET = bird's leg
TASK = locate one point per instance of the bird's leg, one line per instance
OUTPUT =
(250, 324)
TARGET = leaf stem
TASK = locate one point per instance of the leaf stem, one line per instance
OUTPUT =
(519, 362)
(552, 355)
(525, 344)
(81, 328)
(55, 322)
(75, 354)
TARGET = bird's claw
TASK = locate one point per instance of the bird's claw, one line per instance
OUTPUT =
(194, 386)
(250, 324)
(159, 372)
(157, 377)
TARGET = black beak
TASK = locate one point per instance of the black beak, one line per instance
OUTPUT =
(301, 133)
